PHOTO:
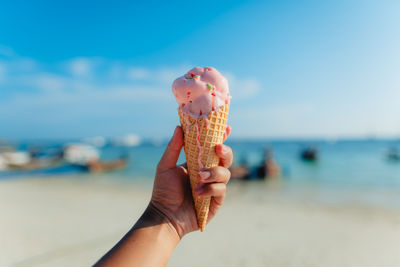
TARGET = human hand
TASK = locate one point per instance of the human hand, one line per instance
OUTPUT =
(172, 195)
(170, 214)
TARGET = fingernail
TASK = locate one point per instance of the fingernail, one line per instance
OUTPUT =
(225, 149)
(204, 175)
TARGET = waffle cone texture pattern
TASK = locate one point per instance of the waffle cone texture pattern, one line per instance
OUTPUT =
(200, 138)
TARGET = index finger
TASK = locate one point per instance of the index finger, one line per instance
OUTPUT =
(225, 155)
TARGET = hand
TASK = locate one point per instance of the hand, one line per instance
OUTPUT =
(170, 214)
(172, 195)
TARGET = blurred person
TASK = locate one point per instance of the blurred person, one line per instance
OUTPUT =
(240, 171)
(170, 214)
(393, 154)
(34, 152)
(309, 154)
(268, 168)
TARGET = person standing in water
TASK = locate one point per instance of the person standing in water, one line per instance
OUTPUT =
(268, 168)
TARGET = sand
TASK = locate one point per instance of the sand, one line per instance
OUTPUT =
(73, 221)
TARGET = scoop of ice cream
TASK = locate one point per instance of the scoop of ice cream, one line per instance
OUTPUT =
(201, 91)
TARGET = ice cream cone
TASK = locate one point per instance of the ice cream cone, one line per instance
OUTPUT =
(201, 135)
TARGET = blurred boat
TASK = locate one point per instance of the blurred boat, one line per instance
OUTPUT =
(21, 160)
(80, 153)
(15, 159)
(87, 158)
(309, 154)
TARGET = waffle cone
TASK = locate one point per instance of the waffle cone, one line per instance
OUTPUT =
(207, 133)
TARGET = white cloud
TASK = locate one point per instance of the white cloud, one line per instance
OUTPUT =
(138, 73)
(94, 76)
(137, 93)
(49, 82)
(242, 88)
(80, 66)
(101, 93)
(46, 98)
(168, 75)
(113, 95)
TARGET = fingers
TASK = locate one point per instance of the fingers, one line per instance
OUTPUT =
(172, 151)
(215, 190)
(227, 132)
(215, 175)
(225, 155)
(213, 182)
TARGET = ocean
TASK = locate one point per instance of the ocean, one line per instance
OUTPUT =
(347, 162)
(346, 170)
(351, 163)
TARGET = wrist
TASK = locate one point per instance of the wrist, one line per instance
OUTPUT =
(152, 235)
(153, 216)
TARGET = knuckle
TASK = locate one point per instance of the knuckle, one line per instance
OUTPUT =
(218, 172)
(214, 190)
(221, 190)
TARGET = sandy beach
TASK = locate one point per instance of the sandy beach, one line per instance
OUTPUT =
(72, 221)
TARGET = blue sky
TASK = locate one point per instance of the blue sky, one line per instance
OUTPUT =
(296, 68)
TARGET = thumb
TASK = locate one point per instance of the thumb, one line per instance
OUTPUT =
(172, 151)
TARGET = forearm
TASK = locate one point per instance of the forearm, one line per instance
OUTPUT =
(149, 243)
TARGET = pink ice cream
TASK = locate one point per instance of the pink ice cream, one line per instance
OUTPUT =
(201, 91)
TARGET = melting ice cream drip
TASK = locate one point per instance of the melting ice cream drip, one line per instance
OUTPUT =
(186, 116)
(207, 122)
(199, 145)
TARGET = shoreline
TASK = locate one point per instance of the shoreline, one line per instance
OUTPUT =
(336, 193)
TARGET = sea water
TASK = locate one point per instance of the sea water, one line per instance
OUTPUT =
(355, 162)
(343, 167)
(350, 162)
